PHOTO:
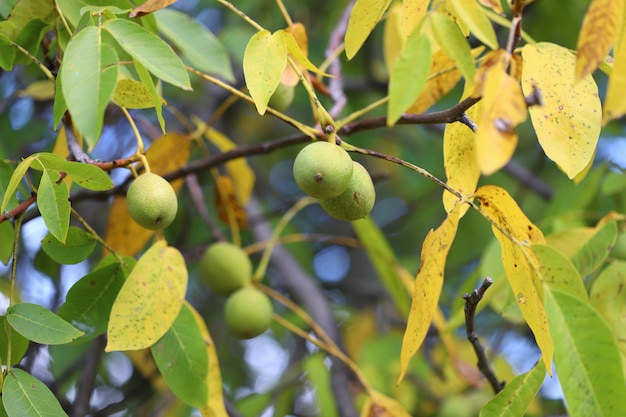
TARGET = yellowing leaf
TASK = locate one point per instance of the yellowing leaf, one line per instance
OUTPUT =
(264, 60)
(412, 13)
(227, 202)
(470, 13)
(41, 90)
(453, 43)
(298, 54)
(494, 5)
(215, 405)
(597, 35)
(428, 285)
(615, 102)
(568, 123)
(132, 95)
(363, 18)
(379, 405)
(238, 170)
(520, 263)
(408, 76)
(289, 77)
(460, 160)
(393, 37)
(150, 6)
(504, 107)
(150, 299)
(166, 154)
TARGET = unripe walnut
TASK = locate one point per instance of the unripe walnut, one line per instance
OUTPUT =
(248, 313)
(152, 202)
(357, 200)
(225, 268)
(322, 169)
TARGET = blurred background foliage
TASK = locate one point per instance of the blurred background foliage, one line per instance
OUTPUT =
(279, 374)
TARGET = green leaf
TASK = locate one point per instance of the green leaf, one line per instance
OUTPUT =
(608, 296)
(23, 395)
(73, 9)
(7, 53)
(88, 303)
(6, 241)
(6, 171)
(586, 357)
(60, 106)
(317, 373)
(88, 77)
(40, 325)
(19, 343)
(150, 299)
(454, 44)
(591, 255)
(264, 60)
(408, 75)
(203, 50)
(181, 356)
(476, 20)
(30, 39)
(87, 176)
(514, 399)
(558, 272)
(363, 18)
(146, 79)
(150, 50)
(54, 205)
(384, 260)
(77, 247)
(14, 182)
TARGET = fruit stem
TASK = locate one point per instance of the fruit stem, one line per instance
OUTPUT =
(323, 342)
(283, 10)
(140, 145)
(96, 236)
(265, 258)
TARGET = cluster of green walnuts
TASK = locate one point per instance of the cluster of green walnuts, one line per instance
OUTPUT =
(227, 270)
(224, 267)
(344, 187)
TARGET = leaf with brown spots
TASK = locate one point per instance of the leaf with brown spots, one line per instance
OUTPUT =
(150, 299)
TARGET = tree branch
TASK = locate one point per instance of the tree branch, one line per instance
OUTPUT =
(471, 302)
(88, 378)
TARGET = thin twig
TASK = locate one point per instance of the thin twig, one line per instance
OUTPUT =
(88, 378)
(335, 84)
(198, 200)
(471, 302)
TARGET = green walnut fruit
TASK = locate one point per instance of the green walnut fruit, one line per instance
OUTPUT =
(225, 268)
(282, 97)
(357, 200)
(152, 202)
(248, 313)
(322, 169)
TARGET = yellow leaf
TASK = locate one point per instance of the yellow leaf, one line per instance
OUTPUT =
(166, 154)
(471, 14)
(460, 160)
(393, 37)
(238, 169)
(504, 107)
(428, 285)
(215, 405)
(289, 77)
(41, 90)
(60, 145)
(132, 95)
(143, 362)
(264, 60)
(568, 124)
(597, 34)
(521, 265)
(227, 202)
(298, 54)
(150, 299)
(443, 77)
(379, 405)
(363, 18)
(412, 13)
(615, 102)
